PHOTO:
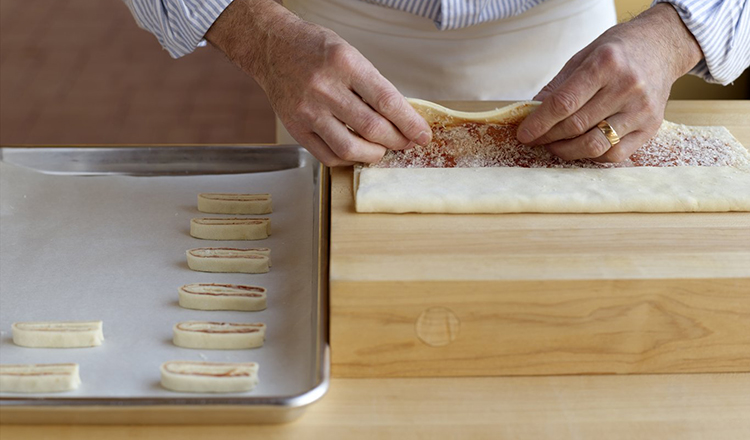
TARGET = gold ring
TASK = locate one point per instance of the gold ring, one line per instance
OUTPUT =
(609, 132)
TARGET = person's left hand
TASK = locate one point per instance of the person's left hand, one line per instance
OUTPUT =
(624, 76)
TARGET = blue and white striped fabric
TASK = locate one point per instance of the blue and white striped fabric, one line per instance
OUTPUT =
(722, 27)
(179, 25)
(456, 14)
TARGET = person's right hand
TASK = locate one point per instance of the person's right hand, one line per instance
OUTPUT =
(330, 98)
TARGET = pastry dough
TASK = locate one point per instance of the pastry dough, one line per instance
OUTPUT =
(218, 335)
(58, 334)
(486, 180)
(225, 203)
(229, 260)
(217, 228)
(39, 378)
(209, 296)
(209, 377)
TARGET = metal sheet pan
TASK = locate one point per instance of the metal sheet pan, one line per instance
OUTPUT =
(100, 233)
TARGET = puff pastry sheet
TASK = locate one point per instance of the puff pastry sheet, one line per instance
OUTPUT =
(555, 190)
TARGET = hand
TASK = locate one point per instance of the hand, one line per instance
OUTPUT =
(624, 76)
(329, 97)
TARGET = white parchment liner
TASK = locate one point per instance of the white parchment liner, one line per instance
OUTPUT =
(112, 248)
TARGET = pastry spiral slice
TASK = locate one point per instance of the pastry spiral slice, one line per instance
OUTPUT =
(229, 260)
(228, 203)
(38, 378)
(218, 335)
(217, 228)
(58, 334)
(209, 377)
(209, 296)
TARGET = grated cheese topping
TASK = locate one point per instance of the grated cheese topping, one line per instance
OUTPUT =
(480, 145)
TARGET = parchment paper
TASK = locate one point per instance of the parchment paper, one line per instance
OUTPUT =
(112, 248)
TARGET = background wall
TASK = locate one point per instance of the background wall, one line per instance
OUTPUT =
(81, 71)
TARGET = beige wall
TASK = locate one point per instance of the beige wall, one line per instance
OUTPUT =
(689, 87)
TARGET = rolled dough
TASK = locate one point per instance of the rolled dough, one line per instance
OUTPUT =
(58, 334)
(226, 203)
(229, 260)
(216, 228)
(209, 377)
(218, 335)
(661, 177)
(209, 296)
(39, 378)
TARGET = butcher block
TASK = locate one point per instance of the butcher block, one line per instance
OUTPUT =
(541, 294)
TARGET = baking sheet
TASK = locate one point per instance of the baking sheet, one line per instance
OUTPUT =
(112, 248)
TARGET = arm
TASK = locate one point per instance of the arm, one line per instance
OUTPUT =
(624, 76)
(330, 98)
(722, 29)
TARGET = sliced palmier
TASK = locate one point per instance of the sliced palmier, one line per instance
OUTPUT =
(209, 377)
(229, 260)
(215, 228)
(229, 203)
(38, 378)
(218, 335)
(210, 296)
(58, 334)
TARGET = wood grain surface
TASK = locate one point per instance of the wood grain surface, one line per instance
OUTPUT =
(709, 406)
(475, 295)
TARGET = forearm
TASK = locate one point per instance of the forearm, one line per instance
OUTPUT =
(330, 98)
(677, 44)
(245, 30)
(722, 29)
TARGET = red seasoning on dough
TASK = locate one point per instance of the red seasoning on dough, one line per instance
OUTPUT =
(479, 145)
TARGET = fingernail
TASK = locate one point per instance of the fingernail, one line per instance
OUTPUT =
(424, 138)
(410, 146)
(524, 136)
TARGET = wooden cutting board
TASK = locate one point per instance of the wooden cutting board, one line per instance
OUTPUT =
(529, 294)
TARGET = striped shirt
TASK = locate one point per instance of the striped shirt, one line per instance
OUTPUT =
(721, 27)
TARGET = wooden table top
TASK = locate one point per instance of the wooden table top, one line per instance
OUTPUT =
(708, 406)
(715, 406)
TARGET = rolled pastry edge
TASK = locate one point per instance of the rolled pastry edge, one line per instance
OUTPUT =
(209, 377)
(230, 228)
(250, 263)
(58, 334)
(221, 203)
(218, 335)
(210, 296)
(39, 378)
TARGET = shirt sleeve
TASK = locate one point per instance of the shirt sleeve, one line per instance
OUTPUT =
(722, 29)
(179, 25)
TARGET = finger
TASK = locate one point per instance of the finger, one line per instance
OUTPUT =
(347, 145)
(625, 148)
(593, 143)
(602, 105)
(369, 124)
(383, 97)
(573, 63)
(318, 148)
(561, 103)
(562, 75)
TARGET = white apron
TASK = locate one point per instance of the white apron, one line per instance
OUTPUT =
(509, 59)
